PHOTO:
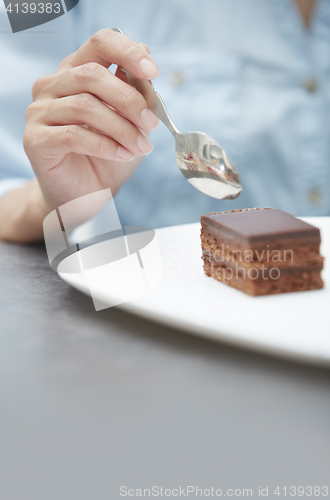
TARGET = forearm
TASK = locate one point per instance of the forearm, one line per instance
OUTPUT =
(22, 212)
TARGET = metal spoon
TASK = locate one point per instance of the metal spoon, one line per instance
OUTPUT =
(203, 162)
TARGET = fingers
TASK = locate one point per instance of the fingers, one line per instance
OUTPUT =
(94, 79)
(108, 47)
(86, 109)
(53, 143)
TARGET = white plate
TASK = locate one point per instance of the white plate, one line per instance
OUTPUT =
(295, 325)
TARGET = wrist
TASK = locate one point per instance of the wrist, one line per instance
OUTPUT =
(22, 212)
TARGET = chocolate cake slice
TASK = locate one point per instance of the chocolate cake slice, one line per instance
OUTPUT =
(261, 251)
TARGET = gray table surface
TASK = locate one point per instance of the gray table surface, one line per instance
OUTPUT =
(90, 402)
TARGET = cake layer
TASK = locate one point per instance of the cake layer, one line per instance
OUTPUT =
(254, 272)
(296, 282)
(292, 254)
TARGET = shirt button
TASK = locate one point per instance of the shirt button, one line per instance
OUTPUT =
(314, 196)
(177, 78)
(310, 84)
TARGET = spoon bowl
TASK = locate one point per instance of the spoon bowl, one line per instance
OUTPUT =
(207, 166)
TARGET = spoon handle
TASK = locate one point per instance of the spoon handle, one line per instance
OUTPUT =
(153, 100)
(162, 114)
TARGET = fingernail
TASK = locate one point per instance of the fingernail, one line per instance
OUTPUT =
(149, 120)
(144, 145)
(124, 154)
(149, 68)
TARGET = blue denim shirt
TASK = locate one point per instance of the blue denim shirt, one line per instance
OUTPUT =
(247, 73)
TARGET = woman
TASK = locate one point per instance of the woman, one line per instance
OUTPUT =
(253, 75)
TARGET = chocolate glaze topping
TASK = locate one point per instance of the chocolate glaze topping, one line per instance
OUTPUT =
(257, 224)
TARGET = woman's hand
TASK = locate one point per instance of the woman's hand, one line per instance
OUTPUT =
(83, 130)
